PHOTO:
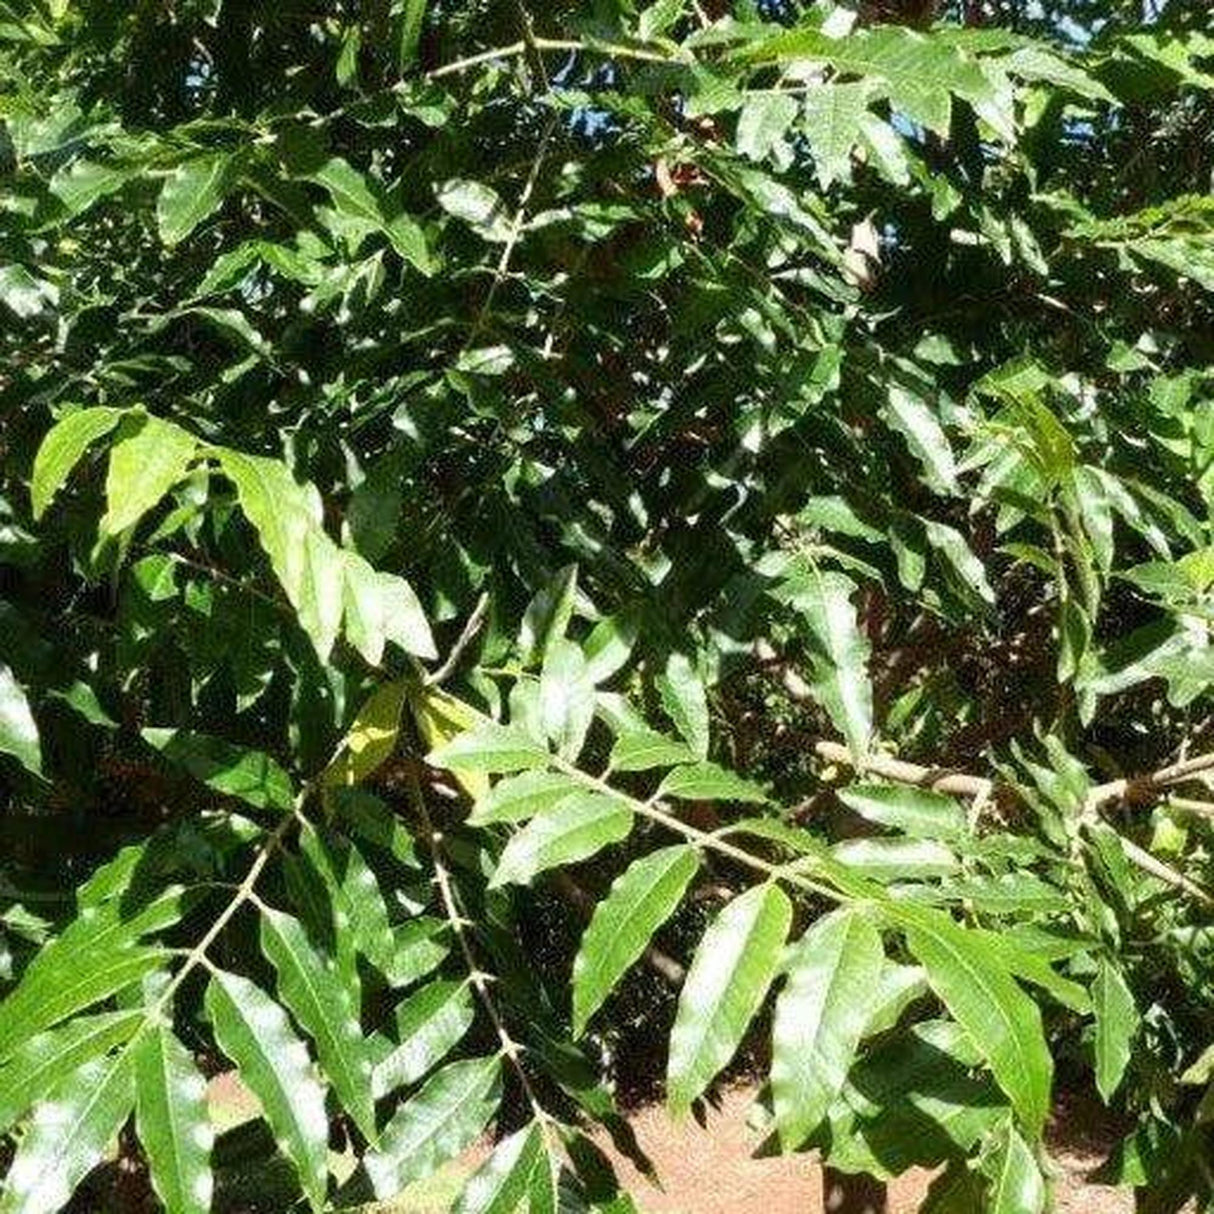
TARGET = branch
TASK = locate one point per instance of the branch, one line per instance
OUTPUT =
(1135, 789)
(938, 779)
(475, 622)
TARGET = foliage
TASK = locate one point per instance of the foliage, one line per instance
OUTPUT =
(705, 383)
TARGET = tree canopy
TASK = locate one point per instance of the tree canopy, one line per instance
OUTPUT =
(501, 505)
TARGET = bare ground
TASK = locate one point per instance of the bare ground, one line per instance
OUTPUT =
(710, 1169)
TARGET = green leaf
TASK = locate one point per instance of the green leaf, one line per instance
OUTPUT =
(173, 1122)
(148, 457)
(1015, 1184)
(911, 416)
(62, 449)
(640, 900)
(644, 749)
(548, 614)
(840, 657)
(566, 697)
(502, 1183)
(192, 193)
(325, 1001)
(67, 980)
(18, 729)
(371, 739)
(429, 1024)
(610, 644)
(1116, 1024)
(68, 1136)
(355, 910)
(884, 859)
(832, 123)
(683, 698)
(418, 947)
(960, 559)
(287, 518)
(411, 22)
(234, 771)
(83, 183)
(491, 747)
(479, 206)
(45, 1060)
(444, 1118)
(381, 607)
(708, 782)
(763, 123)
(728, 980)
(917, 812)
(656, 18)
(834, 977)
(572, 830)
(253, 1031)
(983, 997)
(919, 71)
(517, 798)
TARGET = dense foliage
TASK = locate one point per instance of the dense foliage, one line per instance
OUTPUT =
(494, 503)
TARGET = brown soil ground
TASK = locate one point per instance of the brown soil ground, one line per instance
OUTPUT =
(709, 1170)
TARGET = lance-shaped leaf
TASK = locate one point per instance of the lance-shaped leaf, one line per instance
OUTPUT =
(504, 1180)
(371, 739)
(517, 798)
(834, 981)
(446, 1116)
(381, 607)
(429, 1023)
(253, 1031)
(18, 730)
(287, 518)
(191, 193)
(641, 899)
(566, 697)
(984, 998)
(491, 747)
(840, 656)
(573, 830)
(324, 999)
(1116, 1023)
(235, 771)
(67, 981)
(173, 1122)
(62, 449)
(728, 980)
(1014, 1181)
(918, 812)
(68, 1136)
(683, 698)
(147, 459)
(355, 913)
(708, 782)
(644, 749)
(95, 957)
(47, 1059)
(913, 418)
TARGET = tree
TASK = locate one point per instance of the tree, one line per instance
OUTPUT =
(458, 457)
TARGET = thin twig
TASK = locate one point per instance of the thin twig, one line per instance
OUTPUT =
(510, 1048)
(516, 229)
(475, 622)
(197, 955)
(515, 49)
(656, 813)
